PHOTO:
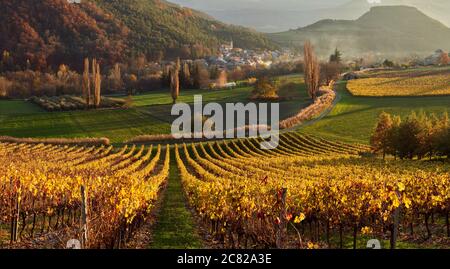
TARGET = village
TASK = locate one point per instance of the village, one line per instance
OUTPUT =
(230, 57)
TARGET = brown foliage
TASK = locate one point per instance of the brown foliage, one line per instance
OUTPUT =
(34, 83)
(75, 29)
(445, 59)
(330, 71)
(265, 89)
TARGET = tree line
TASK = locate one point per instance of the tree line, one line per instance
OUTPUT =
(416, 136)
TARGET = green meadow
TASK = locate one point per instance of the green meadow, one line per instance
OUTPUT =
(354, 118)
(149, 114)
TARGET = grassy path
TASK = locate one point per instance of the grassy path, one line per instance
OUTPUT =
(175, 228)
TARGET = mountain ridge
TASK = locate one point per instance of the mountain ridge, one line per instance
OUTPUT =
(382, 30)
(281, 15)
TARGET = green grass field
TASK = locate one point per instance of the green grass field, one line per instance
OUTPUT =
(353, 118)
(150, 114)
(11, 107)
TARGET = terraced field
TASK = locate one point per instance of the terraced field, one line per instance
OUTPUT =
(322, 190)
(415, 82)
(42, 196)
(306, 193)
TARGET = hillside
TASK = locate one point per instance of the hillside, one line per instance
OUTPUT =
(387, 30)
(437, 9)
(282, 15)
(50, 32)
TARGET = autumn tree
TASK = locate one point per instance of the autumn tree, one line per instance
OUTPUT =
(222, 79)
(5, 86)
(393, 136)
(174, 83)
(380, 138)
(409, 137)
(116, 77)
(200, 76)
(427, 135)
(165, 77)
(86, 85)
(178, 64)
(185, 76)
(444, 59)
(416, 136)
(264, 88)
(312, 70)
(7, 62)
(442, 136)
(131, 80)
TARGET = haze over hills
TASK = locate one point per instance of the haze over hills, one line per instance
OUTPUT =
(50, 32)
(282, 15)
(382, 30)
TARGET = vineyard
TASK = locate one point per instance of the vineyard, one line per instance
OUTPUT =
(418, 83)
(92, 193)
(316, 189)
(306, 193)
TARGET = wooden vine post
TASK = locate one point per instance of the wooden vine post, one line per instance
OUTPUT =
(14, 209)
(395, 225)
(281, 227)
(84, 220)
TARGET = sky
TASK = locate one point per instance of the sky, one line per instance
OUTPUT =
(282, 15)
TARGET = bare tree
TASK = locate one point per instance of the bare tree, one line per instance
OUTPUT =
(329, 72)
(312, 70)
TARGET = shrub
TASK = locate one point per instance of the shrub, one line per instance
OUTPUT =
(68, 103)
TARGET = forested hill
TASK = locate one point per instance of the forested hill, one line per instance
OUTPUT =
(51, 32)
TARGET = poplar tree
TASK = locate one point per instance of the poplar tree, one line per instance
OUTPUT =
(86, 84)
(312, 70)
(174, 84)
(98, 87)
